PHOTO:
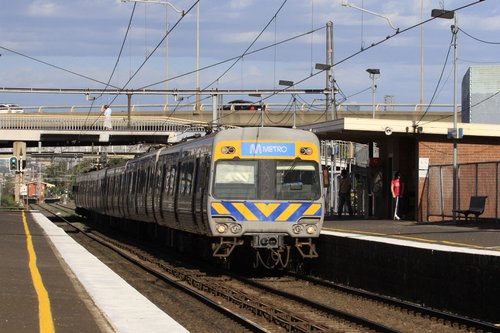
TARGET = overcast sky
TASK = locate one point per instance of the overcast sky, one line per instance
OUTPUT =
(85, 37)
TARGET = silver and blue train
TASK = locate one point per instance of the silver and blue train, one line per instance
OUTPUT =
(259, 188)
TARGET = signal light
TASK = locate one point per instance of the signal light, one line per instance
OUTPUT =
(13, 164)
(228, 150)
(306, 151)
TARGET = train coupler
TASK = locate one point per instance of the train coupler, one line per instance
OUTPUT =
(307, 249)
(224, 247)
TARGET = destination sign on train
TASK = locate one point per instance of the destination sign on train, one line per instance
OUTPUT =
(267, 149)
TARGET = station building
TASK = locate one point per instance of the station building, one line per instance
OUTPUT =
(423, 153)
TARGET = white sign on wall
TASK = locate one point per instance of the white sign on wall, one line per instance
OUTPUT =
(423, 167)
(23, 190)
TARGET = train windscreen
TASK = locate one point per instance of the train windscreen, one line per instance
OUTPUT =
(266, 180)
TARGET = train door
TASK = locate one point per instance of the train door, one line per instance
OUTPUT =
(141, 183)
(127, 187)
(132, 206)
(158, 186)
(147, 189)
(201, 190)
(184, 204)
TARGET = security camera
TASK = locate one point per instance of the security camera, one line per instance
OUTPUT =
(388, 130)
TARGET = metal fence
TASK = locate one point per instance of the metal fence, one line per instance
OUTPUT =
(473, 179)
(93, 123)
(274, 106)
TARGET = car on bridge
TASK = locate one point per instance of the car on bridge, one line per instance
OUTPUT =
(239, 104)
(10, 108)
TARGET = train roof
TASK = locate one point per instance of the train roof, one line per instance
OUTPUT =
(266, 133)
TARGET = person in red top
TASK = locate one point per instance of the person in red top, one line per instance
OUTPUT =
(397, 190)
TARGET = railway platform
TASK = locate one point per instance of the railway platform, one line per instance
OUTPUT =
(483, 237)
(450, 266)
(49, 283)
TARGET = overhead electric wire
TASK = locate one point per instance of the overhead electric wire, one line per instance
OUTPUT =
(114, 68)
(439, 81)
(369, 47)
(247, 52)
(477, 39)
(184, 13)
(229, 59)
(402, 31)
(54, 66)
(250, 46)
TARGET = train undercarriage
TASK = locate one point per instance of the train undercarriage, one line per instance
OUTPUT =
(265, 250)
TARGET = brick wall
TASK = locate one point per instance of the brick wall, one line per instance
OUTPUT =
(441, 153)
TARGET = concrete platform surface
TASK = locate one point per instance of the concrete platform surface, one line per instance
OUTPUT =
(481, 237)
(50, 283)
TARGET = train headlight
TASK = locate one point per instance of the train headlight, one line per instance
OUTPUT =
(221, 228)
(311, 229)
(306, 150)
(297, 228)
(228, 150)
(235, 228)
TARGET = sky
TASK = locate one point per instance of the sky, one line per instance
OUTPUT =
(76, 44)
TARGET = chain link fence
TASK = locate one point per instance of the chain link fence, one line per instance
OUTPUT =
(473, 179)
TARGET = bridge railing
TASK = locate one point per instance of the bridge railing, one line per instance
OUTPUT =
(94, 123)
(168, 109)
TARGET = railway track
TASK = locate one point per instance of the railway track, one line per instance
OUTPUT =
(289, 302)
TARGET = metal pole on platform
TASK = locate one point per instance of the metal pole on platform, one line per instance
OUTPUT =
(453, 133)
(456, 136)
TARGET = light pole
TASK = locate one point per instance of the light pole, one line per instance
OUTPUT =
(290, 84)
(330, 88)
(453, 133)
(374, 74)
(346, 3)
(168, 4)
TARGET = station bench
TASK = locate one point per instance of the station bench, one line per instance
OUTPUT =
(476, 207)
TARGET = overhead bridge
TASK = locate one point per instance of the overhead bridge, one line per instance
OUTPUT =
(76, 130)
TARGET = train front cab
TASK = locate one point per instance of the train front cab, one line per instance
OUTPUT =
(267, 191)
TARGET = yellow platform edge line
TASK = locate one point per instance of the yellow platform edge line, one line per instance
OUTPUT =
(413, 239)
(44, 311)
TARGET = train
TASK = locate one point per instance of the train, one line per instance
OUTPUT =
(258, 188)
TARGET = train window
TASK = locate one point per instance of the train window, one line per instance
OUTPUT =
(297, 180)
(173, 175)
(236, 180)
(186, 180)
(168, 175)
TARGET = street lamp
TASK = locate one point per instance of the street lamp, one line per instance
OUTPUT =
(290, 84)
(374, 74)
(346, 3)
(169, 4)
(453, 133)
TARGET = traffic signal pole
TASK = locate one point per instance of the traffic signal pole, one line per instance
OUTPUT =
(20, 154)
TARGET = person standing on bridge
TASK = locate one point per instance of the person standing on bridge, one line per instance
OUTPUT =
(107, 118)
